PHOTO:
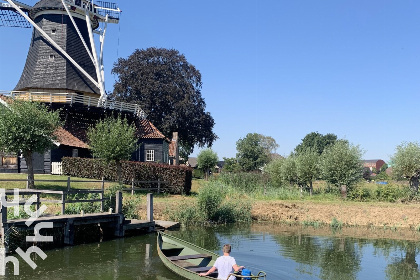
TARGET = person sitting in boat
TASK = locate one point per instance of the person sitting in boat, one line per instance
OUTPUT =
(225, 265)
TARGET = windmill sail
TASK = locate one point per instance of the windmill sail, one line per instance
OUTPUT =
(9, 17)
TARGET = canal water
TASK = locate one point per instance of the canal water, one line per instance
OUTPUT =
(290, 253)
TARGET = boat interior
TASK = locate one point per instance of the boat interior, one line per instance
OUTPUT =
(188, 258)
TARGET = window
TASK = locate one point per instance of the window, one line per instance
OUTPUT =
(150, 155)
(52, 57)
(53, 31)
(75, 153)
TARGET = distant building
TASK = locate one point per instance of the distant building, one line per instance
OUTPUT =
(373, 163)
(192, 162)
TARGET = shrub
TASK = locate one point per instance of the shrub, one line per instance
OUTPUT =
(86, 207)
(359, 194)
(390, 193)
(210, 198)
(212, 207)
(177, 178)
(336, 224)
(130, 206)
(232, 211)
(198, 174)
(186, 214)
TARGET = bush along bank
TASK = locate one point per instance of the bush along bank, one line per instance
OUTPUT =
(212, 206)
(176, 179)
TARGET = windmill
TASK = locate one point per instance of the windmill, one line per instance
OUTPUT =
(62, 56)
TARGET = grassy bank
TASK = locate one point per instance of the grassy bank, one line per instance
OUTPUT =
(40, 184)
(249, 198)
(390, 206)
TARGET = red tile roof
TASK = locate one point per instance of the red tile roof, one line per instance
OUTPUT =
(68, 139)
(145, 129)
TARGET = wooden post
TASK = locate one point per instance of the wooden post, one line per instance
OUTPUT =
(158, 191)
(118, 202)
(132, 186)
(63, 203)
(68, 183)
(4, 226)
(69, 232)
(101, 195)
(150, 207)
(38, 202)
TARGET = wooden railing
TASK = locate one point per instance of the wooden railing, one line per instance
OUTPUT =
(158, 189)
(74, 98)
(63, 201)
(63, 194)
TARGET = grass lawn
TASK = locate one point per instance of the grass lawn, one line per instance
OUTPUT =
(61, 185)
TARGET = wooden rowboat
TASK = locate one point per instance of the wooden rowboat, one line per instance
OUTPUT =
(188, 260)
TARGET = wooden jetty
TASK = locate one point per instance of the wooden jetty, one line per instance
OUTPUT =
(67, 223)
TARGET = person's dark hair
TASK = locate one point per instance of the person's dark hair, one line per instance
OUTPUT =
(227, 248)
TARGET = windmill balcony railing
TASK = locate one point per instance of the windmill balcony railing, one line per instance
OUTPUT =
(74, 98)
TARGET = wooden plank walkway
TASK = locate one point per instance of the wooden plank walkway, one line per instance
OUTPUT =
(112, 221)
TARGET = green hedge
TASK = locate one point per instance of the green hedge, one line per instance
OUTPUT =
(177, 178)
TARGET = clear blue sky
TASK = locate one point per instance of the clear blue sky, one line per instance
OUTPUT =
(279, 68)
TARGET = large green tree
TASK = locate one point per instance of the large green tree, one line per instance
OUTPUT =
(207, 160)
(168, 89)
(341, 165)
(27, 128)
(316, 141)
(231, 165)
(307, 167)
(254, 150)
(114, 140)
(406, 163)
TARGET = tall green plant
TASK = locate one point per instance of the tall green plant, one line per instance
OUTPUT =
(113, 140)
(274, 171)
(207, 160)
(210, 198)
(341, 165)
(254, 150)
(307, 167)
(27, 127)
(406, 163)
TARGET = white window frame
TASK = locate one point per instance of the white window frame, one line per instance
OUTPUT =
(150, 155)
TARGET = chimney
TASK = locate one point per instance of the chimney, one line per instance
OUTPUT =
(176, 148)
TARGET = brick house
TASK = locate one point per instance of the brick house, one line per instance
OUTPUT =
(373, 163)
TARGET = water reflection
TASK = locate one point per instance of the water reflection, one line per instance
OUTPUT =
(284, 253)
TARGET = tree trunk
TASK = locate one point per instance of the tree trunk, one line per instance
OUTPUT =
(343, 190)
(207, 174)
(29, 164)
(414, 182)
(310, 188)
